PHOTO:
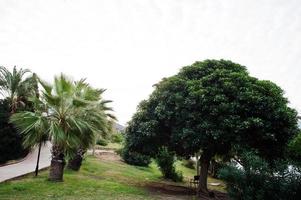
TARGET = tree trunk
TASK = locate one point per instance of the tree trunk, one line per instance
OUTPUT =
(38, 160)
(93, 150)
(197, 156)
(94, 146)
(76, 162)
(204, 163)
(57, 164)
(213, 168)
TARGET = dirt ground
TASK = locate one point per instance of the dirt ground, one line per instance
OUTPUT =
(108, 155)
(163, 190)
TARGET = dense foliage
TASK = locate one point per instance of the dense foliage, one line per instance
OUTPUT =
(212, 106)
(10, 141)
(295, 145)
(102, 142)
(166, 162)
(117, 138)
(134, 157)
(255, 180)
(16, 88)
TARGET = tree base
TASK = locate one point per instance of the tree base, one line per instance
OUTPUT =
(56, 170)
(75, 163)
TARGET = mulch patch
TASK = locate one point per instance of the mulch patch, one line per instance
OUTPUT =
(177, 190)
(217, 196)
(169, 189)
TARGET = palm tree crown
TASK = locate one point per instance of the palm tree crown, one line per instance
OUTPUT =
(15, 87)
(68, 112)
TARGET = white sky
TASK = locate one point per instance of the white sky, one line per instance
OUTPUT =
(127, 46)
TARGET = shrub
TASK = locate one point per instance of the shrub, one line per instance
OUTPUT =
(117, 138)
(10, 141)
(135, 158)
(256, 180)
(102, 142)
(189, 163)
(119, 151)
(165, 161)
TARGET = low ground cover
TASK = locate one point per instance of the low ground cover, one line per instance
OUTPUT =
(102, 177)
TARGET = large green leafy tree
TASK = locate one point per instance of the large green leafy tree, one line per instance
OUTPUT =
(64, 121)
(212, 107)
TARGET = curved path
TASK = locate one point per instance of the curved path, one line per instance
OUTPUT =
(28, 165)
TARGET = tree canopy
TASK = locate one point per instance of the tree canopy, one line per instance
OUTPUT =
(212, 107)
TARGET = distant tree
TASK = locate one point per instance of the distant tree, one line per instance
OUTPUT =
(213, 106)
(16, 87)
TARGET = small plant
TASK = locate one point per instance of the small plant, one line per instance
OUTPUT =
(102, 142)
(165, 160)
(135, 158)
(189, 163)
(117, 138)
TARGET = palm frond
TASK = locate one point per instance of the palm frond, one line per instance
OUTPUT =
(33, 127)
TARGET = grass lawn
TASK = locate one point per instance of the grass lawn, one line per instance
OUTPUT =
(97, 179)
(110, 146)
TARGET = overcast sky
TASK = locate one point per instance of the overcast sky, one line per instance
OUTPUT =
(126, 46)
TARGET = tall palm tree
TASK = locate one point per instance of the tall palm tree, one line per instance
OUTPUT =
(18, 89)
(64, 120)
(98, 107)
(15, 86)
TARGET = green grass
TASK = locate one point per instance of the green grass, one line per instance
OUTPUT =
(97, 179)
(112, 146)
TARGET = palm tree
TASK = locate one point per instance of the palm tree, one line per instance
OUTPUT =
(18, 89)
(15, 86)
(64, 121)
(33, 126)
(98, 116)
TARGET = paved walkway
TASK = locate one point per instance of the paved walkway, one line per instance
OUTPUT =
(28, 165)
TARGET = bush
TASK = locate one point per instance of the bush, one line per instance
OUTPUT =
(119, 151)
(117, 138)
(102, 142)
(135, 158)
(165, 161)
(189, 163)
(11, 147)
(256, 180)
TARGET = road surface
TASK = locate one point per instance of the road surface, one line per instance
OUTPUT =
(28, 165)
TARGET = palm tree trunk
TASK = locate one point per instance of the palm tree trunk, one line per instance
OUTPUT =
(76, 162)
(38, 160)
(57, 164)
